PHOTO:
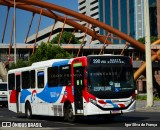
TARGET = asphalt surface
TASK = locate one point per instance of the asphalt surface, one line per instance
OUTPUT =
(142, 115)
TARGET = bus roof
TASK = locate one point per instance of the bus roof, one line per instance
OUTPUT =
(36, 65)
(107, 55)
(47, 62)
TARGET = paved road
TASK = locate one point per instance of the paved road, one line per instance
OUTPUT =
(142, 116)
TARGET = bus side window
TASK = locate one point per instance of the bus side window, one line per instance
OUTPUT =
(25, 80)
(65, 75)
(40, 79)
(32, 78)
(53, 80)
(11, 82)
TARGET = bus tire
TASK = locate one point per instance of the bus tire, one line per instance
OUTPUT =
(68, 114)
(28, 111)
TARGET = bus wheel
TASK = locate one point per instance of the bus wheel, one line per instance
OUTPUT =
(28, 111)
(68, 113)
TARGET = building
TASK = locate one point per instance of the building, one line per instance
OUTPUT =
(44, 34)
(139, 18)
(125, 15)
(153, 17)
(128, 16)
(91, 9)
(118, 14)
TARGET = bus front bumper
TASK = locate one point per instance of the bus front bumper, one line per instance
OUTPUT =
(93, 109)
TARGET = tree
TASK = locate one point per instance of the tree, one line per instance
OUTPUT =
(65, 38)
(45, 51)
(153, 39)
(20, 63)
(48, 51)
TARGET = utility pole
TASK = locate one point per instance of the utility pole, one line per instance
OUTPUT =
(149, 79)
(15, 51)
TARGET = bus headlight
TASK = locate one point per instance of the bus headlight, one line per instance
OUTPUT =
(93, 101)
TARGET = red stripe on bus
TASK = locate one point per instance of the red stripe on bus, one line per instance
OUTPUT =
(121, 105)
(102, 102)
(13, 96)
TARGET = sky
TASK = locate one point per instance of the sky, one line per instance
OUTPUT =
(23, 20)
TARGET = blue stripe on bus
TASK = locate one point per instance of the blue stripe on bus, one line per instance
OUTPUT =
(64, 62)
(24, 94)
(50, 94)
(110, 102)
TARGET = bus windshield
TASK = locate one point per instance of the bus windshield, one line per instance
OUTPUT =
(115, 78)
(3, 87)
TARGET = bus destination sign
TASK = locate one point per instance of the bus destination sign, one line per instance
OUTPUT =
(107, 61)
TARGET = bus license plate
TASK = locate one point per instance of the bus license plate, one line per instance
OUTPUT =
(115, 111)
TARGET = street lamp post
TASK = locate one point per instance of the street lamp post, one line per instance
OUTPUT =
(15, 51)
(149, 79)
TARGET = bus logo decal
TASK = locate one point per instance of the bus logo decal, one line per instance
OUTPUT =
(33, 97)
(116, 89)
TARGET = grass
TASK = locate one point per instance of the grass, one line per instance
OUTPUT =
(144, 97)
(141, 97)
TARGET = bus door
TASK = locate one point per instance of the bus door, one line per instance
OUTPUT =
(41, 93)
(18, 92)
(78, 87)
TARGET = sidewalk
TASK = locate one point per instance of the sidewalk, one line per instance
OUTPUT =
(141, 106)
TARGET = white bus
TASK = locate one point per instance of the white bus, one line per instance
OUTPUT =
(82, 86)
